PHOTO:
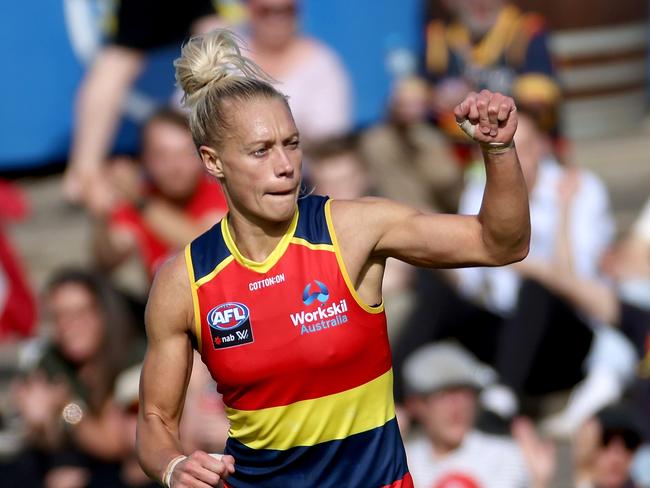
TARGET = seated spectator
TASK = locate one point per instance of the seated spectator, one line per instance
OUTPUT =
(604, 448)
(66, 400)
(338, 169)
(617, 301)
(158, 216)
(309, 72)
(126, 398)
(537, 339)
(628, 262)
(443, 382)
(570, 227)
(204, 424)
(409, 159)
(490, 44)
(136, 29)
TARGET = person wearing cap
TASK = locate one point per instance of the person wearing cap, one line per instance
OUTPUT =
(604, 448)
(443, 382)
(204, 424)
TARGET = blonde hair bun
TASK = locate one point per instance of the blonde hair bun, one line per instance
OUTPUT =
(210, 71)
(210, 59)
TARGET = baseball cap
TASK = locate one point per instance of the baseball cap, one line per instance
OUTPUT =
(127, 386)
(620, 420)
(438, 366)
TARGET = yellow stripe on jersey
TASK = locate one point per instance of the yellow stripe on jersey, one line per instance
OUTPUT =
(342, 267)
(272, 259)
(314, 247)
(195, 296)
(310, 422)
(218, 268)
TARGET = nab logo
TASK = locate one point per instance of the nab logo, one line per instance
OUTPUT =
(319, 292)
(230, 325)
(228, 316)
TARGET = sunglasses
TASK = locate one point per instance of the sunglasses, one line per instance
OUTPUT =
(288, 10)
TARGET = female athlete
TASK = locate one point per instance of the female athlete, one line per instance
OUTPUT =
(282, 298)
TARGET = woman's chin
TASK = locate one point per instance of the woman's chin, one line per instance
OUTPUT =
(280, 208)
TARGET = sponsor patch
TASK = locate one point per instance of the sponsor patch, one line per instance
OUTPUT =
(230, 325)
(318, 292)
(324, 316)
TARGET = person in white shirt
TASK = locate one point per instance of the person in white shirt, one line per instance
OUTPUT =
(543, 333)
(536, 338)
(443, 382)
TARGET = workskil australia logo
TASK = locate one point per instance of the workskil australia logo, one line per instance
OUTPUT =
(325, 316)
(230, 325)
(319, 292)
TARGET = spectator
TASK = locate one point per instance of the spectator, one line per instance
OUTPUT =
(443, 382)
(628, 263)
(126, 398)
(490, 44)
(411, 162)
(537, 339)
(339, 170)
(616, 301)
(176, 203)
(204, 425)
(308, 71)
(67, 401)
(140, 27)
(532, 312)
(604, 448)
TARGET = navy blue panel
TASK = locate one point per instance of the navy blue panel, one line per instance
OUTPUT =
(370, 459)
(312, 225)
(207, 251)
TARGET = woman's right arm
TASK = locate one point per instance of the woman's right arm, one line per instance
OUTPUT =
(165, 375)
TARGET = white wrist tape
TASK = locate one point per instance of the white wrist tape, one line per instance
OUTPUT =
(467, 127)
(167, 476)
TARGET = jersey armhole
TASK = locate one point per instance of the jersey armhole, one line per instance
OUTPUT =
(195, 297)
(344, 271)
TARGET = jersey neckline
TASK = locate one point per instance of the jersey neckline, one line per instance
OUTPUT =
(272, 258)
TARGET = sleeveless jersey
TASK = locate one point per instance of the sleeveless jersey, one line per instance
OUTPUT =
(303, 365)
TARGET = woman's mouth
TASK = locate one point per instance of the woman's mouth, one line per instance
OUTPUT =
(281, 193)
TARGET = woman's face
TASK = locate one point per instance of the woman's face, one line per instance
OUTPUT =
(171, 160)
(78, 323)
(260, 161)
(273, 22)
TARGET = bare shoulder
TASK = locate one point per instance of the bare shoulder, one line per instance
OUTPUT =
(169, 307)
(368, 218)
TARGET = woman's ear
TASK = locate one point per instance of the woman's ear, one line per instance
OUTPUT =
(211, 161)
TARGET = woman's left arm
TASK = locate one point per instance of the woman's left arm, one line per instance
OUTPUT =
(498, 235)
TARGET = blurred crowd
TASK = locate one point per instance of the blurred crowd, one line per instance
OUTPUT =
(506, 377)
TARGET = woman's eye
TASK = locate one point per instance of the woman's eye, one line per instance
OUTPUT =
(259, 153)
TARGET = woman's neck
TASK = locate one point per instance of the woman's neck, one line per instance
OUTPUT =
(255, 240)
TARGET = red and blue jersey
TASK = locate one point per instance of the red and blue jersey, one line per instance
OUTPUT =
(303, 364)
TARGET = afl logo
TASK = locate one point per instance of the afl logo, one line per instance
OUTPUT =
(228, 316)
(319, 292)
